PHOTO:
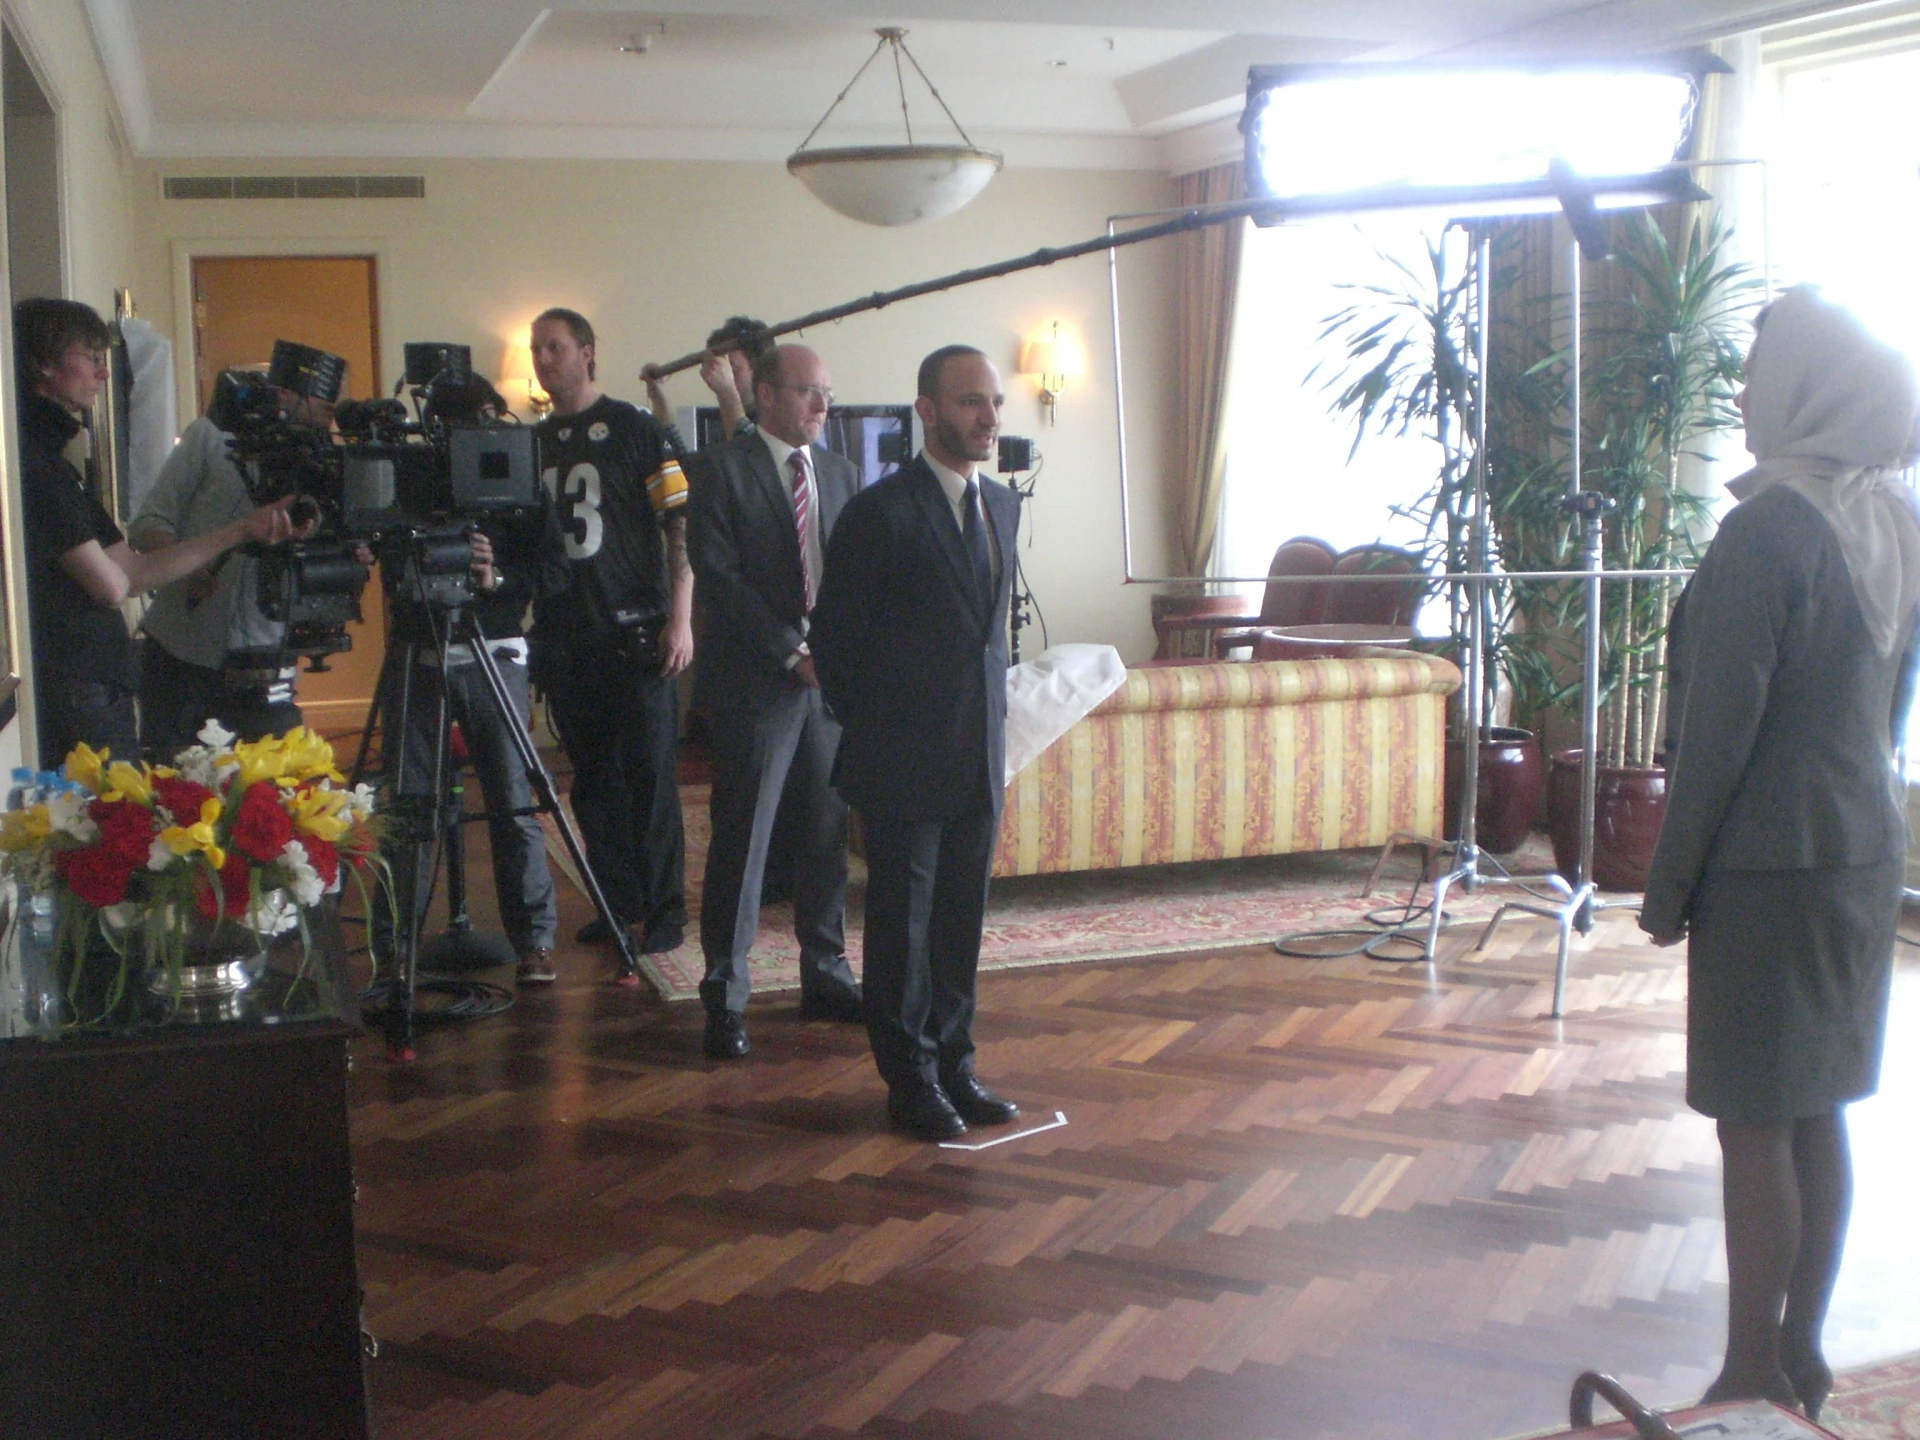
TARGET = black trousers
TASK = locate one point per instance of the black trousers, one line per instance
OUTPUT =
(177, 698)
(760, 754)
(619, 723)
(926, 901)
(72, 710)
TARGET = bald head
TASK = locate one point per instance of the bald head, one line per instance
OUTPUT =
(791, 391)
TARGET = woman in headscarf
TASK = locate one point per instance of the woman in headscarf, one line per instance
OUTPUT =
(1782, 854)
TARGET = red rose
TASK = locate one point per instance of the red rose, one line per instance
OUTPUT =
(126, 830)
(181, 798)
(261, 826)
(234, 889)
(95, 874)
(323, 857)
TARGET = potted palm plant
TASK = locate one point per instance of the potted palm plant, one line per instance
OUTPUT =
(1670, 352)
(1405, 366)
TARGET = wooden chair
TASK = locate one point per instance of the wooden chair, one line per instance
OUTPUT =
(1184, 625)
(1287, 604)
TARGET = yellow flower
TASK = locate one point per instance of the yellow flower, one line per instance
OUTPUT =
(309, 756)
(124, 782)
(87, 766)
(186, 839)
(24, 829)
(259, 760)
(317, 813)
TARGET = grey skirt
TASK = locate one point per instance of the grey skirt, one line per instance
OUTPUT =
(1787, 979)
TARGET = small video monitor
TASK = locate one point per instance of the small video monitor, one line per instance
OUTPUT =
(493, 467)
(428, 361)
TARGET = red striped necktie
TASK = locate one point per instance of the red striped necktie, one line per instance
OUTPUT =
(802, 508)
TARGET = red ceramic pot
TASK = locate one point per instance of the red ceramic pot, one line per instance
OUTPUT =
(1511, 778)
(1628, 806)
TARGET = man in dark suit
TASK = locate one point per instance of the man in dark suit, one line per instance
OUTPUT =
(763, 505)
(910, 641)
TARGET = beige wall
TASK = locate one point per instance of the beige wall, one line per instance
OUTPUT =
(96, 206)
(657, 254)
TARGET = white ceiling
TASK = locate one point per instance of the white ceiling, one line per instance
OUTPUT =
(1133, 83)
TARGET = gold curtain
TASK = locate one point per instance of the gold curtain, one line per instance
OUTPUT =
(1209, 279)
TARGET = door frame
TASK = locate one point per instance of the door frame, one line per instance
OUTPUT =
(266, 247)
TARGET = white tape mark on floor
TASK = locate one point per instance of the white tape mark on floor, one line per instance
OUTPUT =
(1059, 1119)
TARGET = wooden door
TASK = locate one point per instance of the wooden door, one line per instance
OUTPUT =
(241, 305)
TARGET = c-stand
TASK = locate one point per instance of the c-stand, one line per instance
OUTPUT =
(426, 817)
(1016, 456)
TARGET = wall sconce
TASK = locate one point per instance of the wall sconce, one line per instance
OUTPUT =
(1053, 362)
(516, 374)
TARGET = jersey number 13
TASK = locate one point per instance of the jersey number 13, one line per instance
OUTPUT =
(579, 502)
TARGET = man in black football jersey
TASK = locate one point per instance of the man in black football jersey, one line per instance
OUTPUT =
(606, 650)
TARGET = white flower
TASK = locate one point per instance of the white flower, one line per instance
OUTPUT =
(304, 879)
(197, 765)
(215, 736)
(159, 857)
(275, 913)
(67, 812)
(118, 917)
(360, 801)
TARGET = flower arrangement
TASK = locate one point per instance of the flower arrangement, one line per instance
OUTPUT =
(152, 860)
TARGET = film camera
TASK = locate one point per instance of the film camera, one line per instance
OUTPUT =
(408, 483)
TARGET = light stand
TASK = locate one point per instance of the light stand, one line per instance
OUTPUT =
(1016, 456)
(1472, 869)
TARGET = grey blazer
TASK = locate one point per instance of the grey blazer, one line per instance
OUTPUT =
(1783, 716)
(746, 566)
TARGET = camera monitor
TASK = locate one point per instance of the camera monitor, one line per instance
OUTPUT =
(311, 373)
(431, 361)
(493, 467)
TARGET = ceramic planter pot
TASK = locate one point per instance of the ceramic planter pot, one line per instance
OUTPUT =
(1628, 806)
(1512, 776)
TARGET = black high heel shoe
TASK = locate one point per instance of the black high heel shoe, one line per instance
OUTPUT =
(1812, 1381)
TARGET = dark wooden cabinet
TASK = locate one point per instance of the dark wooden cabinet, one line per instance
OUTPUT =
(176, 1236)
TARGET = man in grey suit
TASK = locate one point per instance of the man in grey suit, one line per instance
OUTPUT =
(762, 506)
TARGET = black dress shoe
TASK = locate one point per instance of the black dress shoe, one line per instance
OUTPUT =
(662, 938)
(976, 1104)
(924, 1113)
(726, 1037)
(835, 1002)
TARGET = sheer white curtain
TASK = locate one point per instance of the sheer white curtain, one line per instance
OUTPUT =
(1288, 471)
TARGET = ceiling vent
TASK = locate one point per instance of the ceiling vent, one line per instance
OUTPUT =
(294, 187)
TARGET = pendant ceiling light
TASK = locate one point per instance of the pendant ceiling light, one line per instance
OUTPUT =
(894, 184)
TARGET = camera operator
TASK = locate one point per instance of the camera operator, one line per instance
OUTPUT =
(520, 562)
(79, 566)
(607, 650)
(197, 625)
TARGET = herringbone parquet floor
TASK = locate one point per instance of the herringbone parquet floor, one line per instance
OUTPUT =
(1309, 1199)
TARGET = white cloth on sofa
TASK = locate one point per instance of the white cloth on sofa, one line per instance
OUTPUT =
(1047, 696)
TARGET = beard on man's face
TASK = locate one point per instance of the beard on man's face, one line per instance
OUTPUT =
(958, 441)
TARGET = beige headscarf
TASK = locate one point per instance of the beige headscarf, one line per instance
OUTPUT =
(1831, 413)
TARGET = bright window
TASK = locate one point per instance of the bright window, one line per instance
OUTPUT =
(1288, 467)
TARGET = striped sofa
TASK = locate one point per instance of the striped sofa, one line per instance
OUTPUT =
(1207, 761)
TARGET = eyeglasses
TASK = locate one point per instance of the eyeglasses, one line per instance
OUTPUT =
(813, 392)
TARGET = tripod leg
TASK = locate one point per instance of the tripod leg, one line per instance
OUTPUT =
(381, 686)
(548, 797)
(424, 832)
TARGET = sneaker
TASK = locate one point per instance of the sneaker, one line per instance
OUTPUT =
(535, 968)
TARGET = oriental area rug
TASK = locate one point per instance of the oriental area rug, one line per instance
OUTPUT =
(1098, 915)
(1876, 1402)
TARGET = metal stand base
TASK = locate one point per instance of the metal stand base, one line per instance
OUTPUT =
(458, 951)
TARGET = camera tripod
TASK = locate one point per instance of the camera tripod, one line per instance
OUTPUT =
(430, 817)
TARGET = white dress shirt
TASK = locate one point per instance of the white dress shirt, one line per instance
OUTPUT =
(955, 486)
(780, 450)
